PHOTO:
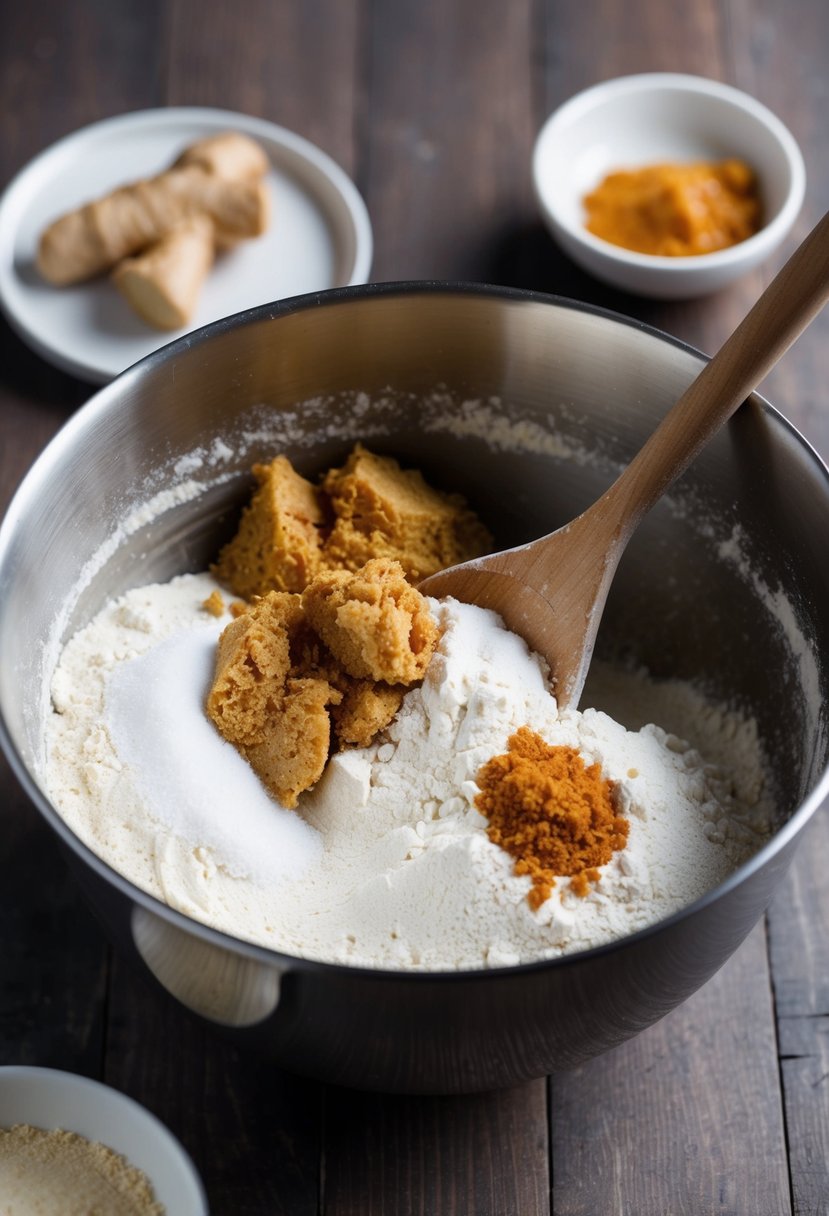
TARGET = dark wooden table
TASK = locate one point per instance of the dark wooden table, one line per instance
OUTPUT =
(432, 106)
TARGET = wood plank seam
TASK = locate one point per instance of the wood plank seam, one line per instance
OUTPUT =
(780, 1071)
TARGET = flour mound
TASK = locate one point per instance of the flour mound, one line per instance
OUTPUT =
(386, 862)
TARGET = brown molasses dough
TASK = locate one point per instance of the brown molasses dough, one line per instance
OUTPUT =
(280, 692)
(382, 510)
(214, 604)
(264, 703)
(376, 625)
(253, 662)
(277, 546)
(369, 508)
(296, 739)
(365, 710)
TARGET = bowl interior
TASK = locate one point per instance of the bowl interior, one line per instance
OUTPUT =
(528, 406)
(612, 128)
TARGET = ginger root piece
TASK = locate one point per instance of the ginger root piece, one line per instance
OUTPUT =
(375, 624)
(384, 511)
(90, 240)
(229, 154)
(163, 283)
(239, 208)
(213, 197)
(277, 546)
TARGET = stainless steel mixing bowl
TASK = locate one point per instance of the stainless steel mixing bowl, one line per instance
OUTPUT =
(312, 374)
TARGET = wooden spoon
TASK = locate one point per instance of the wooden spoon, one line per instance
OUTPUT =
(552, 591)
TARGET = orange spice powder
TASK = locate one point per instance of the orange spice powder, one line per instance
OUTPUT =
(676, 210)
(554, 814)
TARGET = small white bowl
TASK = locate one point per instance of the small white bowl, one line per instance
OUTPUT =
(47, 1098)
(659, 117)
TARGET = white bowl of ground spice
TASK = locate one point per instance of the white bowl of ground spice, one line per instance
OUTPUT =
(647, 182)
(69, 1146)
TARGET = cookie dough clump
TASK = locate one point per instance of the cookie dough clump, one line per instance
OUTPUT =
(365, 710)
(375, 624)
(381, 510)
(277, 546)
(370, 508)
(253, 662)
(297, 673)
(335, 632)
(296, 739)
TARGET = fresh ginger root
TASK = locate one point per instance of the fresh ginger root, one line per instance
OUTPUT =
(212, 197)
(163, 283)
(231, 156)
(228, 155)
(94, 238)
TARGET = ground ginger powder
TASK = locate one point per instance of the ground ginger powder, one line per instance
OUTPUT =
(676, 210)
(59, 1173)
(555, 815)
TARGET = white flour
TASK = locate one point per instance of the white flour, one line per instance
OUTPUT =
(387, 862)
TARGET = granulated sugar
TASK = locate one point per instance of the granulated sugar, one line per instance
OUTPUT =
(146, 775)
(154, 709)
(387, 862)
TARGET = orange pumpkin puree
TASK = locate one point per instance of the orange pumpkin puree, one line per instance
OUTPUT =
(676, 210)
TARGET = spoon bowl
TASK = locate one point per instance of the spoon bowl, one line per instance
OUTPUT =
(552, 591)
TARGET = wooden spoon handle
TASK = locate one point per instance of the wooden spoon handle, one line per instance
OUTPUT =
(789, 303)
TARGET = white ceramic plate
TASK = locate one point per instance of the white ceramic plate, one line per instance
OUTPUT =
(319, 237)
(47, 1098)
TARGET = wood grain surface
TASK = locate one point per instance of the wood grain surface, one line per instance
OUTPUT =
(432, 106)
